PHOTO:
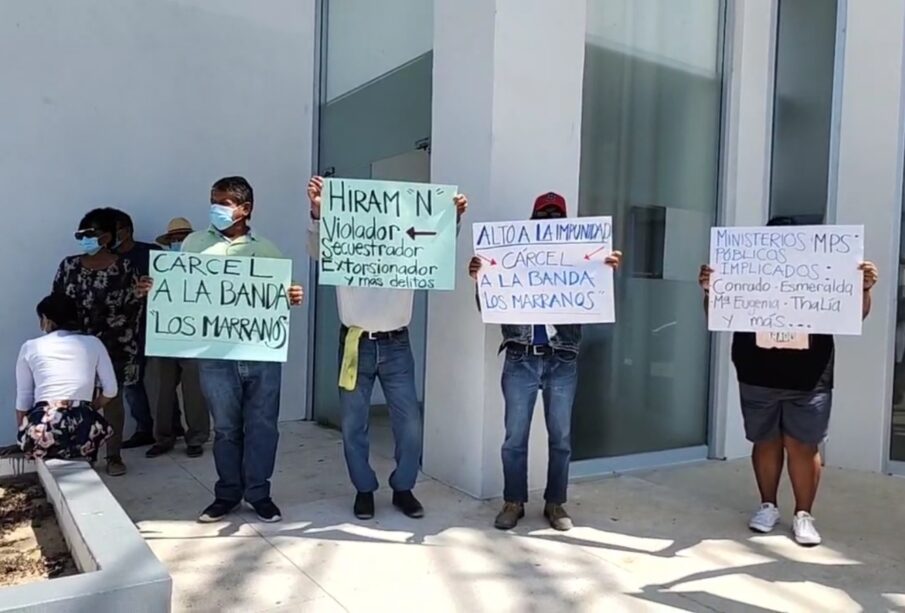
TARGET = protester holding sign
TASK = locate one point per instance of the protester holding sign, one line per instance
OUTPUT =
(539, 358)
(786, 385)
(243, 396)
(375, 323)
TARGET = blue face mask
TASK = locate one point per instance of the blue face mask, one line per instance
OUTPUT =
(89, 245)
(175, 246)
(221, 217)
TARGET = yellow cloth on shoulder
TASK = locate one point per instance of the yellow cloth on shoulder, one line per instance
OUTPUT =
(348, 371)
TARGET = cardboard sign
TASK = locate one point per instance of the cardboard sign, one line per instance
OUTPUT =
(545, 272)
(787, 279)
(388, 235)
(218, 307)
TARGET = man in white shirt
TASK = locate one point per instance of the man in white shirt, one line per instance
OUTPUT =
(381, 317)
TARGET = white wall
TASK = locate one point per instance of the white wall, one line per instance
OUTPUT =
(142, 105)
(869, 191)
(503, 160)
(396, 35)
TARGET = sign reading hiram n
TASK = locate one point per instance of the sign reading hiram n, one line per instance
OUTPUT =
(545, 272)
(388, 235)
(802, 279)
(215, 307)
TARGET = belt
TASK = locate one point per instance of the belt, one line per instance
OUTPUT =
(531, 349)
(379, 336)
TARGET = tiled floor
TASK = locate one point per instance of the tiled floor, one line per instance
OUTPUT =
(671, 540)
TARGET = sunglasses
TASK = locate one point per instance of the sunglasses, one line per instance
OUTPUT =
(548, 213)
(87, 233)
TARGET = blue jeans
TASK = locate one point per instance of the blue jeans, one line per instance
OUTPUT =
(136, 397)
(523, 376)
(244, 401)
(389, 360)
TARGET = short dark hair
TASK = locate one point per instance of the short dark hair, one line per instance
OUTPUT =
(123, 220)
(237, 187)
(61, 310)
(103, 220)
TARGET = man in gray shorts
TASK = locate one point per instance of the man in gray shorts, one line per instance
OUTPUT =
(786, 389)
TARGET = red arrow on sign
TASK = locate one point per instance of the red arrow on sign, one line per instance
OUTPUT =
(491, 262)
(595, 252)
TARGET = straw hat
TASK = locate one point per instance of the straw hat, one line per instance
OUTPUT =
(177, 225)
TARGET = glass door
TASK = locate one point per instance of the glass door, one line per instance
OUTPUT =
(650, 159)
(375, 122)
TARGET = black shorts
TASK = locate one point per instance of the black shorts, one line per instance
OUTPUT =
(770, 413)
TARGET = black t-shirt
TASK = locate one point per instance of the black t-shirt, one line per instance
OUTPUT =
(803, 370)
(140, 256)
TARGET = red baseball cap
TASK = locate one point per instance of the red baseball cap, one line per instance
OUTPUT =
(550, 199)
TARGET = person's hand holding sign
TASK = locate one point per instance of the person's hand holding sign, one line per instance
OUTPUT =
(143, 287)
(474, 267)
(871, 275)
(296, 294)
(614, 260)
(315, 189)
(461, 202)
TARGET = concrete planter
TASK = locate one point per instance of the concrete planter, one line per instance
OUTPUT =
(118, 570)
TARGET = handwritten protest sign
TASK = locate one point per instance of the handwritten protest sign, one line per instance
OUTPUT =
(230, 308)
(786, 279)
(545, 272)
(387, 234)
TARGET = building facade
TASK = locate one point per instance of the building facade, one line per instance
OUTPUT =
(670, 115)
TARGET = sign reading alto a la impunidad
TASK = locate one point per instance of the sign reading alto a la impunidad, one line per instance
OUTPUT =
(802, 279)
(388, 235)
(545, 272)
(218, 307)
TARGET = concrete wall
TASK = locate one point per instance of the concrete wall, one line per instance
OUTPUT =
(141, 105)
(869, 171)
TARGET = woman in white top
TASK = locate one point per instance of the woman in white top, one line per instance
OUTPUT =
(62, 379)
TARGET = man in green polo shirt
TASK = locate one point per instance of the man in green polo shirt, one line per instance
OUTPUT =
(243, 397)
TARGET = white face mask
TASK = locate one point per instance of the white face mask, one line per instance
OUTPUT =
(175, 246)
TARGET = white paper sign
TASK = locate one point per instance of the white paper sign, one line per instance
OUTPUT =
(545, 272)
(786, 279)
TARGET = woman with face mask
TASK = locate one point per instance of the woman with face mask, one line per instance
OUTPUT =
(103, 287)
(57, 402)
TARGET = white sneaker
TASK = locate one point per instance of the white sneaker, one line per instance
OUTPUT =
(805, 532)
(765, 518)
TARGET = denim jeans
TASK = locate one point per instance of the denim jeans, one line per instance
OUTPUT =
(136, 397)
(524, 375)
(244, 401)
(389, 360)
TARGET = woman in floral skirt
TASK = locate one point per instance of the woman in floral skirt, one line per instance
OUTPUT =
(57, 402)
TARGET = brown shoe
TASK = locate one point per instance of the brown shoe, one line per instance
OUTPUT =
(507, 519)
(115, 466)
(557, 516)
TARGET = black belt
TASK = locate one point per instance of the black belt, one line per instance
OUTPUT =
(379, 336)
(531, 349)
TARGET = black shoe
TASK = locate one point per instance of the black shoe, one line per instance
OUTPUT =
(139, 439)
(364, 505)
(194, 451)
(266, 510)
(408, 504)
(157, 450)
(217, 511)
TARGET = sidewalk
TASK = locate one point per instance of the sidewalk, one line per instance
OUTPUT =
(666, 540)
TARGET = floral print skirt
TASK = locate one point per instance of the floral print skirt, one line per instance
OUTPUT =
(64, 429)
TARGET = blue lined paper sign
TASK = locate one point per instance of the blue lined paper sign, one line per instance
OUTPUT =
(786, 279)
(545, 272)
(218, 307)
(388, 235)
